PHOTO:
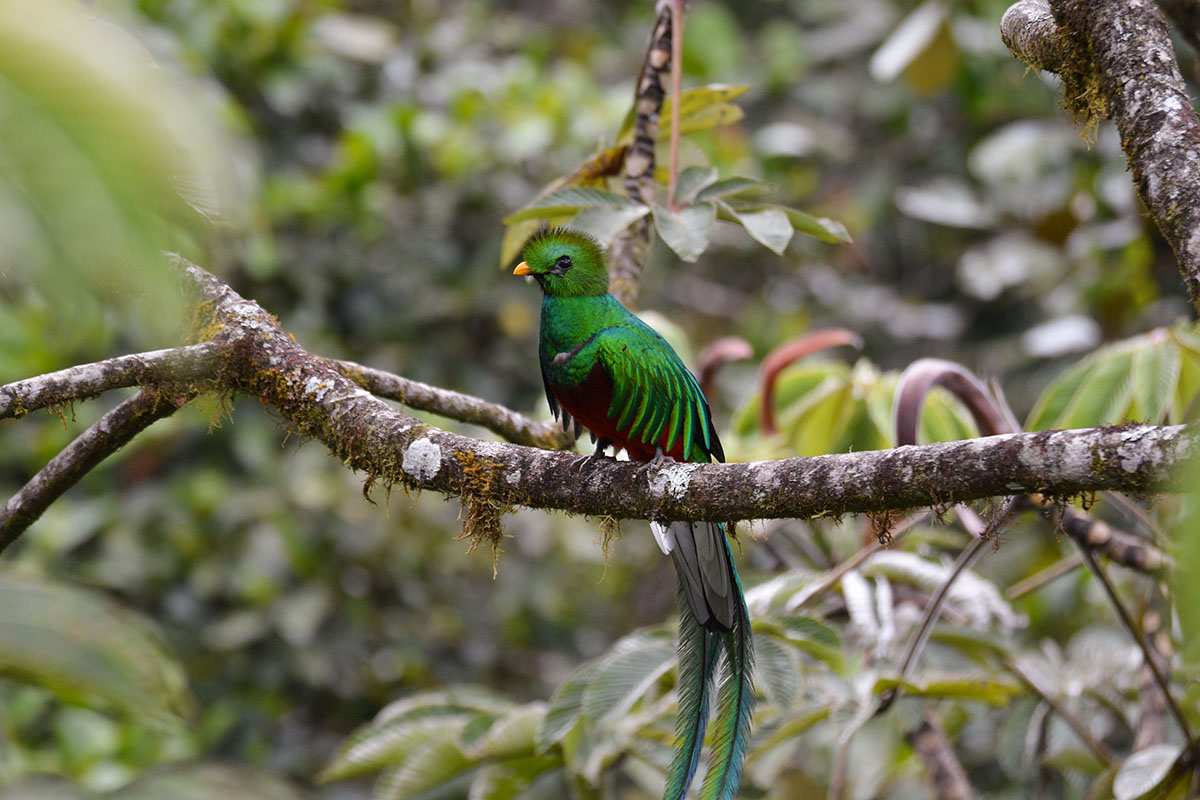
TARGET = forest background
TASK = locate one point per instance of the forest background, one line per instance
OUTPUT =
(217, 609)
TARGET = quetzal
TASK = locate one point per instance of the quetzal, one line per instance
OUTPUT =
(607, 371)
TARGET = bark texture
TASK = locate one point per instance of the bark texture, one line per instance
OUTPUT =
(1116, 61)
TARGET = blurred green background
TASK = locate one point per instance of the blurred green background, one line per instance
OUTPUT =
(348, 165)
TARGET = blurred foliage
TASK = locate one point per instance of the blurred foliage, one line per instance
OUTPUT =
(349, 164)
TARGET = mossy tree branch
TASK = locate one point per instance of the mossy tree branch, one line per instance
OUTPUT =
(1116, 61)
(388, 445)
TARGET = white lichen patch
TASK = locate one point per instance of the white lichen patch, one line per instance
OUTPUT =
(513, 478)
(672, 479)
(422, 460)
(1131, 453)
(317, 387)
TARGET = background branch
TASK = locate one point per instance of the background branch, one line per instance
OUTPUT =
(110, 433)
(628, 251)
(179, 364)
(1133, 79)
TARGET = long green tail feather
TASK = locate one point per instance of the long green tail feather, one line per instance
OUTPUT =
(735, 705)
(698, 651)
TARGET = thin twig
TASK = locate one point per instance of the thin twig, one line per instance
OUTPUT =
(176, 365)
(1040, 579)
(1147, 654)
(101, 440)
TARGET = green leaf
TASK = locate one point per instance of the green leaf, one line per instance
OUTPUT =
(777, 671)
(569, 200)
(1155, 375)
(691, 181)
(622, 676)
(87, 649)
(702, 97)
(686, 231)
(704, 119)
(975, 687)
(379, 745)
(1096, 391)
(823, 228)
(1144, 771)
(430, 766)
(810, 636)
(769, 227)
(606, 223)
(727, 187)
(206, 781)
(105, 161)
(515, 779)
(511, 735)
(515, 236)
(565, 707)
(693, 102)
(452, 700)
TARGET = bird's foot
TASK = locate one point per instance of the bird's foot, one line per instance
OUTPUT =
(660, 458)
(581, 462)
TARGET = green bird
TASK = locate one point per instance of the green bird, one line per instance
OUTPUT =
(607, 371)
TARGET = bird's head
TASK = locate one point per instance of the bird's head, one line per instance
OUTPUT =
(566, 263)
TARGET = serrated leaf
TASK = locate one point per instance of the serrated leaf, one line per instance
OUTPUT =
(569, 200)
(693, 101)
(207, 781)
(687, 230)
(776, 668)
(1144, 771)
(565, 707)
(377, 746)
(1155, 375)
(625, 674)
(770, 227)
(606, 223)
(430, 766)
(511, 735)
(515, 779)
(1096, 391)
(728, 187)
(451, 700)
(704, 119)
(691, 181)
(86, 648)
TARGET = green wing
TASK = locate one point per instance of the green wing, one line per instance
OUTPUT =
(654, 395)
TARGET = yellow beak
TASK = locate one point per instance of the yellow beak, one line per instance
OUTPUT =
(522, 269)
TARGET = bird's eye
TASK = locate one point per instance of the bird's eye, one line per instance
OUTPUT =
(562, 264)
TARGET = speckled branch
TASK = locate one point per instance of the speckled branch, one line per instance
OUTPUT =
(514, 427)
(1116, 61)
(628, 251)
(392, 447)
(180, 364)
(201, 362)
(112, 432)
